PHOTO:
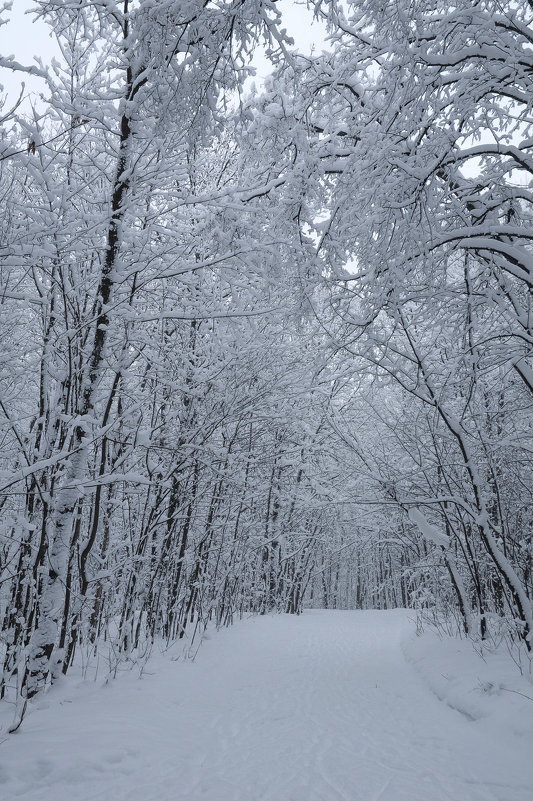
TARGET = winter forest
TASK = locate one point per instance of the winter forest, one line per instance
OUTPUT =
(266, 345)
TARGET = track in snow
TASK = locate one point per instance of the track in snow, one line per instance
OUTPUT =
(321, 707)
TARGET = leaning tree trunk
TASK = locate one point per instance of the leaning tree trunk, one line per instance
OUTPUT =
(45, 659)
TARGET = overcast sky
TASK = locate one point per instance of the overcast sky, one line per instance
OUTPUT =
(24, 38)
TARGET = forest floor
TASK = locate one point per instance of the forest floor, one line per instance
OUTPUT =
(328, 706)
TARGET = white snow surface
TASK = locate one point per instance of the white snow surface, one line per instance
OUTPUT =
(328, 706)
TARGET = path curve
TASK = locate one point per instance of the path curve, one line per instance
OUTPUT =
(321, 707)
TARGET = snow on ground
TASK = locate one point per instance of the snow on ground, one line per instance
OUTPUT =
(493, 687)
(322, 707)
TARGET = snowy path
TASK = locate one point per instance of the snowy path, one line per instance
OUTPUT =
(322, 707)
